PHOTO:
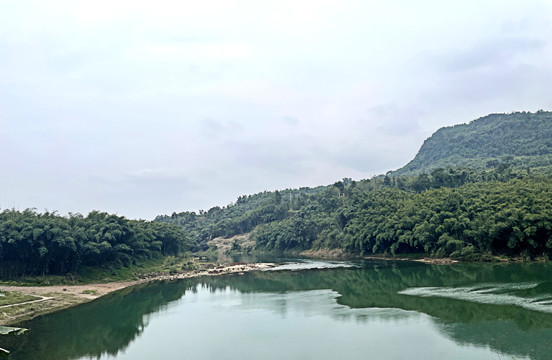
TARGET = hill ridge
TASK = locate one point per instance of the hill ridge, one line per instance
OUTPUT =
(521, 138)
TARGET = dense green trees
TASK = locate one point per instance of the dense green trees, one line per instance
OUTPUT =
(247, 213)
(522, 139)
(450, 212)
(37, 244)
(509, 218)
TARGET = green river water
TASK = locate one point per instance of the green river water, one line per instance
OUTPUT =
(312, 310)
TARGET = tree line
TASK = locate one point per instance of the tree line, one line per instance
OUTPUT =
(248, 212)
(500, 218)
(33, 243)
(457, 212)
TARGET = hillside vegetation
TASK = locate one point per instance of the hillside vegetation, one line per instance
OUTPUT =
(501, 204)
(522, 139)
(241, 217)
(472, 217)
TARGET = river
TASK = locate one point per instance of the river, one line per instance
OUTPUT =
(312, 310)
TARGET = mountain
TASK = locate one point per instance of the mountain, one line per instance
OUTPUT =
(473, 191)
(521, 139)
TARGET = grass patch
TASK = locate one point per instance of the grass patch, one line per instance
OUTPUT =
(16, 314)
(90, 292)
(89, 274)
(11, 297)
(115, 272)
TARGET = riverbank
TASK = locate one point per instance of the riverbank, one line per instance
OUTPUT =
(338, 254)
(425, 260)
(58, 297)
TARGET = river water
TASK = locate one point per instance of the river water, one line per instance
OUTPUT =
(313, 310)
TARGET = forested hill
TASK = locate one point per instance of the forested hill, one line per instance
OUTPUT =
(242, 216)
(501, 206)
(459, 213)
(522, 139)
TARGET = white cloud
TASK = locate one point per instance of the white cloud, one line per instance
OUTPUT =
(142, 107)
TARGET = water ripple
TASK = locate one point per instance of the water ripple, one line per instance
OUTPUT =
(497, 294)
(311, 265)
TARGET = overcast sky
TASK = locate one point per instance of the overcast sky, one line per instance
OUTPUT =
(143, 108)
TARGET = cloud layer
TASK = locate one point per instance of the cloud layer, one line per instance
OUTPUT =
(143, 108)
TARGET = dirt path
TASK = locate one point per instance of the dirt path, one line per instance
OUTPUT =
(42, 298)
(55, 298)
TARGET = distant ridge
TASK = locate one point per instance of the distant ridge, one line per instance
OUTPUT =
(475, 191)
(522, 139)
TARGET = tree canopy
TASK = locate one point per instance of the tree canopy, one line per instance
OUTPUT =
(472, 188)
(33, 243)
(522, 139)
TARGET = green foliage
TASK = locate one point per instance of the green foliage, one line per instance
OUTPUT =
(43, 244)
(247, 213)
(90, 292)
(459, 213)
(520, 139)
(471, 193)
(510, 218)
(9, 298)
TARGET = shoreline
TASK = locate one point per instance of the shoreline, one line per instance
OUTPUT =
(425, 260)
(52, 298)
(59, 297)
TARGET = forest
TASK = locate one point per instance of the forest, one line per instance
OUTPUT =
(523, 138)
(241, 217)
(490, 197)
(33, 243)
(459, 213)
(499, 218)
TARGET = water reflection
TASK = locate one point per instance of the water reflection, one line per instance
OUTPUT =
(503, 306)
(104, 326)
(472, 304)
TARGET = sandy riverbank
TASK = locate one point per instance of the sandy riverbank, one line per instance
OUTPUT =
(55, 298)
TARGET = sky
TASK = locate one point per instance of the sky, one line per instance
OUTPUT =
(142, 108)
